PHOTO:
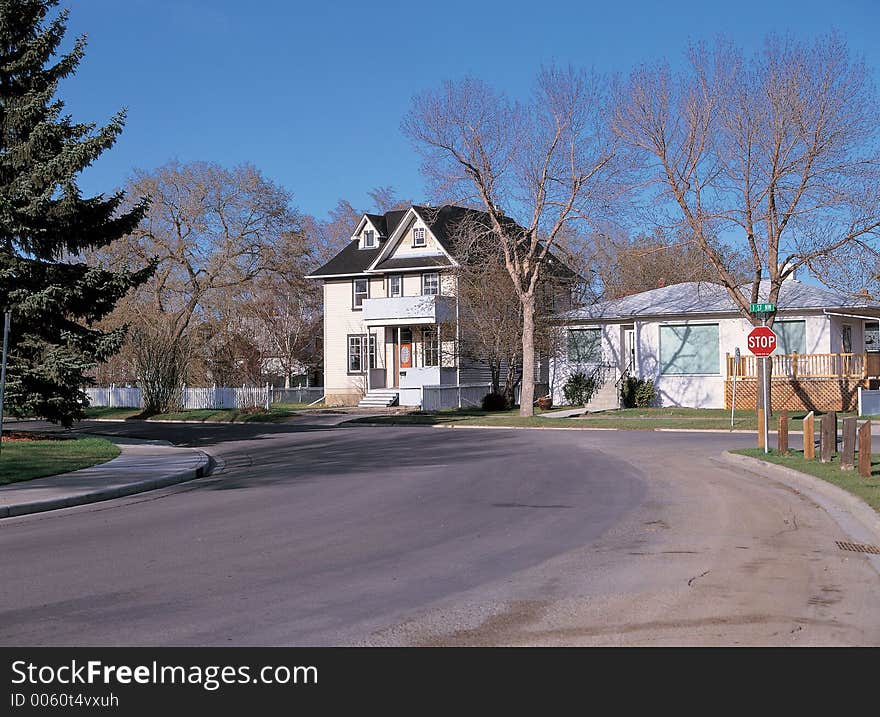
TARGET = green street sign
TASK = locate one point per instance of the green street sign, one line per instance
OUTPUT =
(762, 308)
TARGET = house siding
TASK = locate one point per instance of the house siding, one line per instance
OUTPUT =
(693, 390)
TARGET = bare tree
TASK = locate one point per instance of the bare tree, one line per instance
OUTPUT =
(777, 151)
(624, 265)
(533, 167)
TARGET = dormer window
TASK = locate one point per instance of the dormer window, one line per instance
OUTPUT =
(419, 237)
(369, 239)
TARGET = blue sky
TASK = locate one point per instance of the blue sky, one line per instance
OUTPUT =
(312, 93)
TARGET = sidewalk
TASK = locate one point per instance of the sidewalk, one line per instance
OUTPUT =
(142, 466)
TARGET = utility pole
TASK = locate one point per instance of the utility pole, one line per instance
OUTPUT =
(7, 318)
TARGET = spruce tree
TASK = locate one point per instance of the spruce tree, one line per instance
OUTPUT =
(55, 297)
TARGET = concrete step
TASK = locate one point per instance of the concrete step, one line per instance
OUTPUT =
(379, 398)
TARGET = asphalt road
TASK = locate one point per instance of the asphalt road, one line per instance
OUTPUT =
(318, 535)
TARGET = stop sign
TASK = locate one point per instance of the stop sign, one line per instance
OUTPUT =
(761, 341)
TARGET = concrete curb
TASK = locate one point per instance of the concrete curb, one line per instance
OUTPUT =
(203, 468)
(216, 423)
(817, 489)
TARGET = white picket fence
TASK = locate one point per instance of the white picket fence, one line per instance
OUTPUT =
(214, 397)
(115, 397)
(436, 398)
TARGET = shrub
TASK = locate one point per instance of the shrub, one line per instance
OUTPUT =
(579, 388)
(638, 393)
(495, 402)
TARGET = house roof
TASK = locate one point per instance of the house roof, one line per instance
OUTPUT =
(701, 298)
(412, 262)
(442, 222)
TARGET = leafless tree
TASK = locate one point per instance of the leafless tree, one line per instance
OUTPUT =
(534, 168)
(777, 151)
(624, 265)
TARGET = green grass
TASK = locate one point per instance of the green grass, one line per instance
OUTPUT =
(868, 489)
(625, 419)
(278, 412)
(117, 413)
(23, 460)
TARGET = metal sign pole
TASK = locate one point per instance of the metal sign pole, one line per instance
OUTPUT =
(736, 359)
(7, 318)
(766, 427)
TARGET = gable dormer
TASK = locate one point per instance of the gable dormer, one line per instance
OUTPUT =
(369, 232)
(412, 240)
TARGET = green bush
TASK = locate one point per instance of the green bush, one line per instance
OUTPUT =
(638, 393)
(579, 389)
(495, 402)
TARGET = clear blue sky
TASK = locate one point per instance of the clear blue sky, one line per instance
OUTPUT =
(312, 93)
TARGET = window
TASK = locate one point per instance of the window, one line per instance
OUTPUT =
(430, 283)
(360, 290)
(395, 285)
(419, 237)
(369, 239)
(872, 336)
(689, 349)
(430, 348)
(356, 345)
(584, 345)
(355, 354)
(791, 337)
(846, 338)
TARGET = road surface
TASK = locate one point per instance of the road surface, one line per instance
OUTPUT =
(311, 534)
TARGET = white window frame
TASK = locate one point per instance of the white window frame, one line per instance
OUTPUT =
(357, 297)
(420, 237)
(369, 239)
(425, 285)
(391, 279)
(430, 347)
(355, 350)
(664, 370)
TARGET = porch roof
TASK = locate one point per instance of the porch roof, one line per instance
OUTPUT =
(700, 298)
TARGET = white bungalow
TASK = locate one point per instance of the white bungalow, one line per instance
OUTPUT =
(684, 337)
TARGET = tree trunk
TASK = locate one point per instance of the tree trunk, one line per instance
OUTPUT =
(527, 389)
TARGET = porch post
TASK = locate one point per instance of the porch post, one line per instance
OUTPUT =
(367, 362)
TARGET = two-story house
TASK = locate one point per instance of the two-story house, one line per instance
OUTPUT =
(390, 311)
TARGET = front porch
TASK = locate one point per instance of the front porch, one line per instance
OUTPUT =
(811, 382)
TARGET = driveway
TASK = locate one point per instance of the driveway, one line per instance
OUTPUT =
(310, 534)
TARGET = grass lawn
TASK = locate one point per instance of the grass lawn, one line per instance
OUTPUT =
(278, 412)
(23, 460)
(868, 489)
(628, 419)
(117, 413)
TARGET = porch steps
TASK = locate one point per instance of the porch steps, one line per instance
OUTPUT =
(379, 398)
(605, 399)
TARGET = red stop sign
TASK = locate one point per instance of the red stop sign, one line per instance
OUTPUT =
(761, 341)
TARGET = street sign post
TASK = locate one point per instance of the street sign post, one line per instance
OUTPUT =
(736, 360)
(762, 342)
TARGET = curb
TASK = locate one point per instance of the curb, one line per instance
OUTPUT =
(204, 468)
(812, 486)
(217, 423)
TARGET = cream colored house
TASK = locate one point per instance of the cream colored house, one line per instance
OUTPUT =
(391, 316)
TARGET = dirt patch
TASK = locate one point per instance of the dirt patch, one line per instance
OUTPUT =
(27, 436)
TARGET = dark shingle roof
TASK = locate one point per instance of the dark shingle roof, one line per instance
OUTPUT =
(444, 223)
(695, 297)
(350, 260)
(412, 262)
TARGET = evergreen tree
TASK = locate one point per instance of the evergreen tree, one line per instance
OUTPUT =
(46, 225)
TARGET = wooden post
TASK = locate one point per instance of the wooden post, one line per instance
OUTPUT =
(794, 366)
(810, 436)
(826, 438)
(782, 434)
(848, 456)
(760, 428)
(865, 450)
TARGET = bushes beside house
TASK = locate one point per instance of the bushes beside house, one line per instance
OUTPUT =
(579, 388)
(638, 393)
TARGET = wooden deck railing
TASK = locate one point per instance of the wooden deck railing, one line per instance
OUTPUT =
(805, 366)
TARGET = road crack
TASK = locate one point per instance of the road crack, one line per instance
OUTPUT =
(697, 577)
